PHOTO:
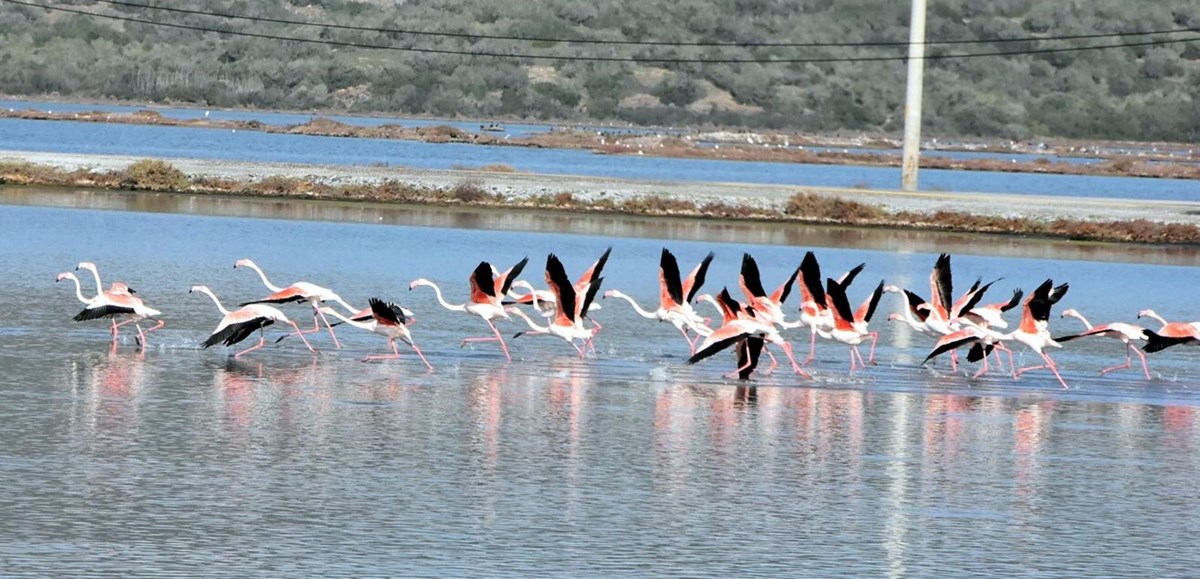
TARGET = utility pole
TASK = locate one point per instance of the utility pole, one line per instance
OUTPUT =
(912, 102)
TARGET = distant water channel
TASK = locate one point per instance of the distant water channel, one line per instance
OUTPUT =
(224, 144)
(180, 461)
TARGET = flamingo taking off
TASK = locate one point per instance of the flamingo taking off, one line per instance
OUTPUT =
(1034, 332)
(814, 306)
(388, 320)
(487, 289)
(571, 308)
(1170, 334)
(300, 291)
(117, 302)
(1126, 333)
(675, 297)
(742, 327)
(237, 325)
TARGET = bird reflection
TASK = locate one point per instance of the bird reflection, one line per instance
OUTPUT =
(115, 386)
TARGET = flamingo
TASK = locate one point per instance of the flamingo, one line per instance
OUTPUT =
(912, 314)
(116, 288)
(1170, 334)
(571, 309)
(1033, 332)
(117, 302)
(484, 301)
(1126, 333)
(814, 307)
(675, 297)
(534, 295)
(388, 320)
(742, 326)
(300, 291)
(981, 339)
(237, 325)
(768, 306)
(846, 328)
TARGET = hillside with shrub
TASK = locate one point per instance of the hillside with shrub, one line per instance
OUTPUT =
(1140, 93)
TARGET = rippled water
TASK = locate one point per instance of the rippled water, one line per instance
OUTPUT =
(201, 143)
(181, 461)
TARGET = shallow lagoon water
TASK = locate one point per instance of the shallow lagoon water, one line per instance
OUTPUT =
(182, 461)
(221, 144)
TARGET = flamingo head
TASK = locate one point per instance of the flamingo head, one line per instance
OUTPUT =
(64, 275)
(86, 265)
(704, 298)
(198, 288)
(418, 282)
(894, 317)
(1069, 312)
(1147, 314)
(243, 263)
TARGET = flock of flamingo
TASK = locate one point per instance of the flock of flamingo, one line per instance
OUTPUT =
(750, 327)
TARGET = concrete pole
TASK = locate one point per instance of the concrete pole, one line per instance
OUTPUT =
(912, 102)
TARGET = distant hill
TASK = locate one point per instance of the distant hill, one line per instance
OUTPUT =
(1141, 93)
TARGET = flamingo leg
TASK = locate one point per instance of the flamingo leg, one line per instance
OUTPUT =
(420, 355)
(141, 339)
(812, 345)
(1128, 363)
(774, 362)
(261, 340)
(503, 346)
(301, 334)
(1054, 368)
(953, 360)
(982, 370)
(1145, 368)
(737, 373)
(874, 339)
(787, 349)
(394, 355)
(691, 343)
(317, 312)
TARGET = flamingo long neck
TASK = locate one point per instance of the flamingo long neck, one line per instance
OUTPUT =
(438, 292)
(96, 276)
(338, 300)
(1157, 317)
(263, 277)
(636, 307)
(533, 325)
(220, 307)
(1086, 323)
(361, 325)
(78, 290)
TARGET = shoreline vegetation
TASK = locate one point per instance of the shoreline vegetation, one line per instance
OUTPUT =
(807, 207)
(1113, 159)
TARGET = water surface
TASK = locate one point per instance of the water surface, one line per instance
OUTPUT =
(223, 144)
(180, 461)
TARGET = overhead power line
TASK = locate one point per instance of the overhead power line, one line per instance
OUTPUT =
(518, 38)
(577, 58)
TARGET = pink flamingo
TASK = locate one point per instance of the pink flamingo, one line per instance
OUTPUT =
(742, 326)
(300, 291)
(1126, 333)
(387, 320)
(487, 289)
(675, 297)
(237, 325)
(1170, 334)
(117, 302)
(1034, 332)
(571, 308)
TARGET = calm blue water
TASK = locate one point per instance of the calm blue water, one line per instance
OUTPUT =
(181, 461)
(187, 142)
